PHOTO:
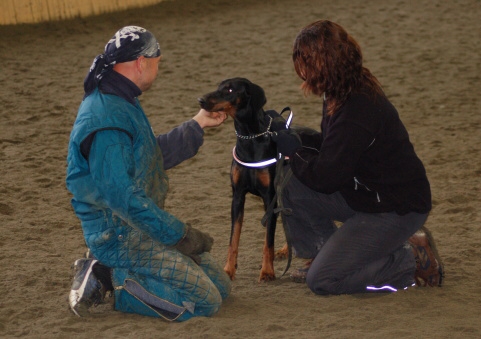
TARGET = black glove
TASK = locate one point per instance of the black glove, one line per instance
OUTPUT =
(278, 122)
(194, 242)
(288, 141)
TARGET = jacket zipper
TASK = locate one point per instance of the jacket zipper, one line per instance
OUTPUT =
(357, 182)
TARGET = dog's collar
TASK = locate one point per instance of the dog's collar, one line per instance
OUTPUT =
(268, 131)
(249, 137)
(263, 163)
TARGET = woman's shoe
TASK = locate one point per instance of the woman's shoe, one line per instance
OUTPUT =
(429, 267)
(299, 274)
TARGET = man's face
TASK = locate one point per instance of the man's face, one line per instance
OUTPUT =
(149, 73)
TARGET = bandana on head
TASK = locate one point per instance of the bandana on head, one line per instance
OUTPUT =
(128, 44)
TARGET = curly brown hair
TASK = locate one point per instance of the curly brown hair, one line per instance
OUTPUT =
(329, 61)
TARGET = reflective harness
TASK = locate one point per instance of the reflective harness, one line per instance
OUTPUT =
(263, 163)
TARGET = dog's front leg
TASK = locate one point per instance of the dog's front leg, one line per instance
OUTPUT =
(237, 217)
(267, 270)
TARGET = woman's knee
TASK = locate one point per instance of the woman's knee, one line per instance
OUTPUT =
(319, 285)
(321, 279)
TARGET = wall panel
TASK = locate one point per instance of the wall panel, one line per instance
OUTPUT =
(32, 11)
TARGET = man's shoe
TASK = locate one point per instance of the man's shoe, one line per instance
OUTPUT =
(429, 267)
(299, 274)
(86, 289)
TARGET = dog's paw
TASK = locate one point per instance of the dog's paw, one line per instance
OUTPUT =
(267, 276)
(283, 253)
(230, 271)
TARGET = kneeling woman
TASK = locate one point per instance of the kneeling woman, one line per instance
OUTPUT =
(361, 171)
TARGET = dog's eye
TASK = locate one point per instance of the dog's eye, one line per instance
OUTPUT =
(230, 90)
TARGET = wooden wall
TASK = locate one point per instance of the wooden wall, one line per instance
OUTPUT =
(32, 11)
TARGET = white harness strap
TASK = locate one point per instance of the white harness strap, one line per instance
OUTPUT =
(259, 164)
(263, 163)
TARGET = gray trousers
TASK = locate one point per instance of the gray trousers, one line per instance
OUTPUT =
(368, 252)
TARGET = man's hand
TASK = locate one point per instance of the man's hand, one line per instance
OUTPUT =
(210, 119)
(194, 242)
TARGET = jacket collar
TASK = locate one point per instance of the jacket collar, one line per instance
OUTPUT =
(116, 84)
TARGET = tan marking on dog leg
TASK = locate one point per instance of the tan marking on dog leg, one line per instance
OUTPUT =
(283, 253)
(267, 270)
(231, 264)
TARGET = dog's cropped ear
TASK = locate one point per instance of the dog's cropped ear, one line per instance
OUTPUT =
(257, 97)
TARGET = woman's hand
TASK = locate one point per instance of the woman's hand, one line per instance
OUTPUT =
(288, 141)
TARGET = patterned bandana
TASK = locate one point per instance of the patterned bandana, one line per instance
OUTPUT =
(128, 44)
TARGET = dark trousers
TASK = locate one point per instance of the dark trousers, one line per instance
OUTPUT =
(367, 252)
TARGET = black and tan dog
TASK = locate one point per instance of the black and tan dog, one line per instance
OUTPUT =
(250, 172)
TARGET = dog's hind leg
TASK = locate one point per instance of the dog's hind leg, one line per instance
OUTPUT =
(282, 253)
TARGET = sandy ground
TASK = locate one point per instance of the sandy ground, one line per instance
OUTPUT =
(425, 53)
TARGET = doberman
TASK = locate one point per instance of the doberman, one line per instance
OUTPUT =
(250, 171)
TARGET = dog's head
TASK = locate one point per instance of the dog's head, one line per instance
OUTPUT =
(233, 95)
